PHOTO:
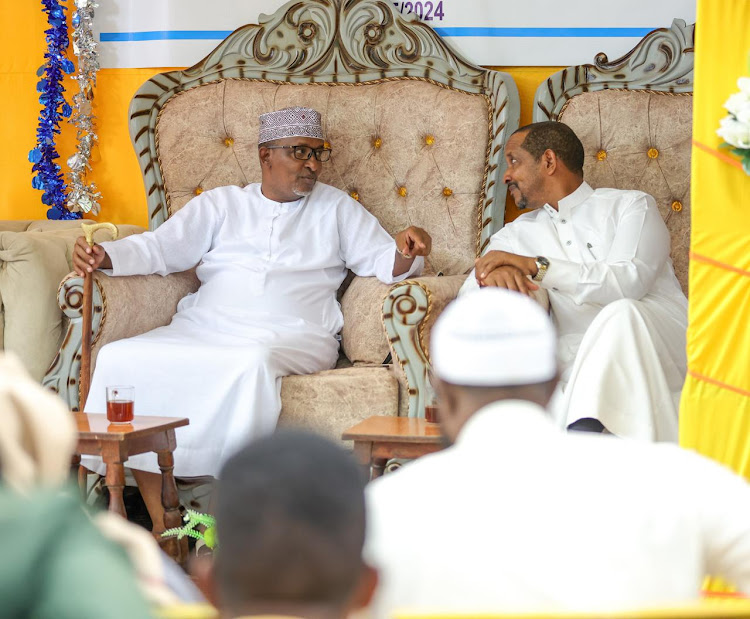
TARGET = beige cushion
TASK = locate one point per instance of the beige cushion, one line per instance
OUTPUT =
(618, 128)
(332, 401)
(32, 264)
(363, 337)
(207, 137)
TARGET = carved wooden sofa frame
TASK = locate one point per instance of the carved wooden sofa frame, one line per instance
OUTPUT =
(307, 53)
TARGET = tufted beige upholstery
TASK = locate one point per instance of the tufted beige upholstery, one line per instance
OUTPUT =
(640, 140)
(409, 150)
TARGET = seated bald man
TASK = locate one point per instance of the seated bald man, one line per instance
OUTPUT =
(270, 257)
(519, 515)
(602, 255)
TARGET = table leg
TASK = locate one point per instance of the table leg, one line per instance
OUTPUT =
(377, 467)
(115, 479)
(170, 500)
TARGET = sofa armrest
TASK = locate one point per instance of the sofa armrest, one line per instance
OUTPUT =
(409, 311)
(122, 307)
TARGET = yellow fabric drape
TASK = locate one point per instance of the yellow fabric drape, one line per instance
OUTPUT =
(715, 407)
(115, 166)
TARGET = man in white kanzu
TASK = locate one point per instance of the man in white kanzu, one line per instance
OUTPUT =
(603, 257)
(270, 257)
(518, 515)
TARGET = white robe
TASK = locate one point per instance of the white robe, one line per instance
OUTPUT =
(519, 515)
(618, 307)
(266, 308)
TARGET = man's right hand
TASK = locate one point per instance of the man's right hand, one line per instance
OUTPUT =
(86, 259)
(511, 278)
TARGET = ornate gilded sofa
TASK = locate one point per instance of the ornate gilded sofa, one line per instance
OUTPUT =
(417, 135)
(634, 117)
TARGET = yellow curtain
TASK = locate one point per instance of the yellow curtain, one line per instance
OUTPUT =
(715, 411)
(715, 407)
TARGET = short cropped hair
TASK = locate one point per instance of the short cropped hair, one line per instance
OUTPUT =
(290, 522)
(557, 137)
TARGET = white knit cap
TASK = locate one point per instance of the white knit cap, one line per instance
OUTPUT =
(494, 338)
(291, 122)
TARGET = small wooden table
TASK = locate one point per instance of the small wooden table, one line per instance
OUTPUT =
(378, 439)
(115, 443)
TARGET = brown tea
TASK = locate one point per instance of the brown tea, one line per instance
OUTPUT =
(120, 411)
(430, 414)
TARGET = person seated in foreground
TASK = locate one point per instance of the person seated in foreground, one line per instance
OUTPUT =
(49, 544)
(518, 515)
(290, 528)
(602, 255)
(270, 258)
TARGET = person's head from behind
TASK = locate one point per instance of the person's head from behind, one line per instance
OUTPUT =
(291, 526)
(292, 151)
(491, 345)
(544, 160)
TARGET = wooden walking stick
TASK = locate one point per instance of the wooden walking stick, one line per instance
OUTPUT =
(86, 318)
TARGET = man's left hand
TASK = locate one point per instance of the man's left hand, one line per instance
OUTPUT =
(413, 242)
(494, 259)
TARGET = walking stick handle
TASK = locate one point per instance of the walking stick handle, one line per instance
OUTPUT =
(89, 229)
(86, 318)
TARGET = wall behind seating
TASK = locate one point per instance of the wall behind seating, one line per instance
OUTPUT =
(115, 167)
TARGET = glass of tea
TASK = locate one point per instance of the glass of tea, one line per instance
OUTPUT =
(120, 403)
(430, 398)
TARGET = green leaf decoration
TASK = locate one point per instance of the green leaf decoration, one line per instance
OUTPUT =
(193, 519)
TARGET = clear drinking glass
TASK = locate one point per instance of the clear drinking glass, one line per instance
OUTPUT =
(120, 403)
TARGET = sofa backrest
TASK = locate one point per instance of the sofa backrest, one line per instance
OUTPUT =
(416, 131)
(634, 117)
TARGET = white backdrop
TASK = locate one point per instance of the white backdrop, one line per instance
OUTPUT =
(177, 33)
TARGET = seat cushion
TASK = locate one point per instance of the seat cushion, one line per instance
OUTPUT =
(363, 336)
(332, 401)
(32, 264)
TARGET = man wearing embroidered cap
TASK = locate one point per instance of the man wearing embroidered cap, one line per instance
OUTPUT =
(519, 516)
(270, 257)
(602, 256)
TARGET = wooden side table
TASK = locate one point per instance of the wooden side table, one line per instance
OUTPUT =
(378, 439)
(115, 443)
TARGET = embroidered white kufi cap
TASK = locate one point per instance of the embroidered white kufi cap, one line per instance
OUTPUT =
(288, 123)
(494, 338)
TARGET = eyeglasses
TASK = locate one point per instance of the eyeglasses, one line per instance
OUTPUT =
(303, 153)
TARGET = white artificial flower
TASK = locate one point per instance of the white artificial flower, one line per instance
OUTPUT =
(738, 106)
(734, 132)
(744, 85)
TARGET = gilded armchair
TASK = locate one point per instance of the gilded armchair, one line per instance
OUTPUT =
(417, 135)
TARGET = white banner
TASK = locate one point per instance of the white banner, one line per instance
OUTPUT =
(179, 33)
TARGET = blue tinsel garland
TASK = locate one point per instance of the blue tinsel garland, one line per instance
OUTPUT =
(48, 177)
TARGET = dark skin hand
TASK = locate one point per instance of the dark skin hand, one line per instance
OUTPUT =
(492, 260)
(87, 259)
(412, 242)
(510, 278)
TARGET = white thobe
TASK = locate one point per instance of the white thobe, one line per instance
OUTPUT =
(519, 515)
(266, 308)
(618, 307)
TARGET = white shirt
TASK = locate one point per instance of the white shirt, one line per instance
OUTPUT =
(265, 258)
(603, 245)
(520, 515)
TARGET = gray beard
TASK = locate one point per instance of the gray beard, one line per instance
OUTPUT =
(301, 193)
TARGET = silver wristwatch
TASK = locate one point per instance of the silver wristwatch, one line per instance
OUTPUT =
(542, 264)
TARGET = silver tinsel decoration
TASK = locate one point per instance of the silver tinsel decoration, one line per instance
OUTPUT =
(83, 196)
